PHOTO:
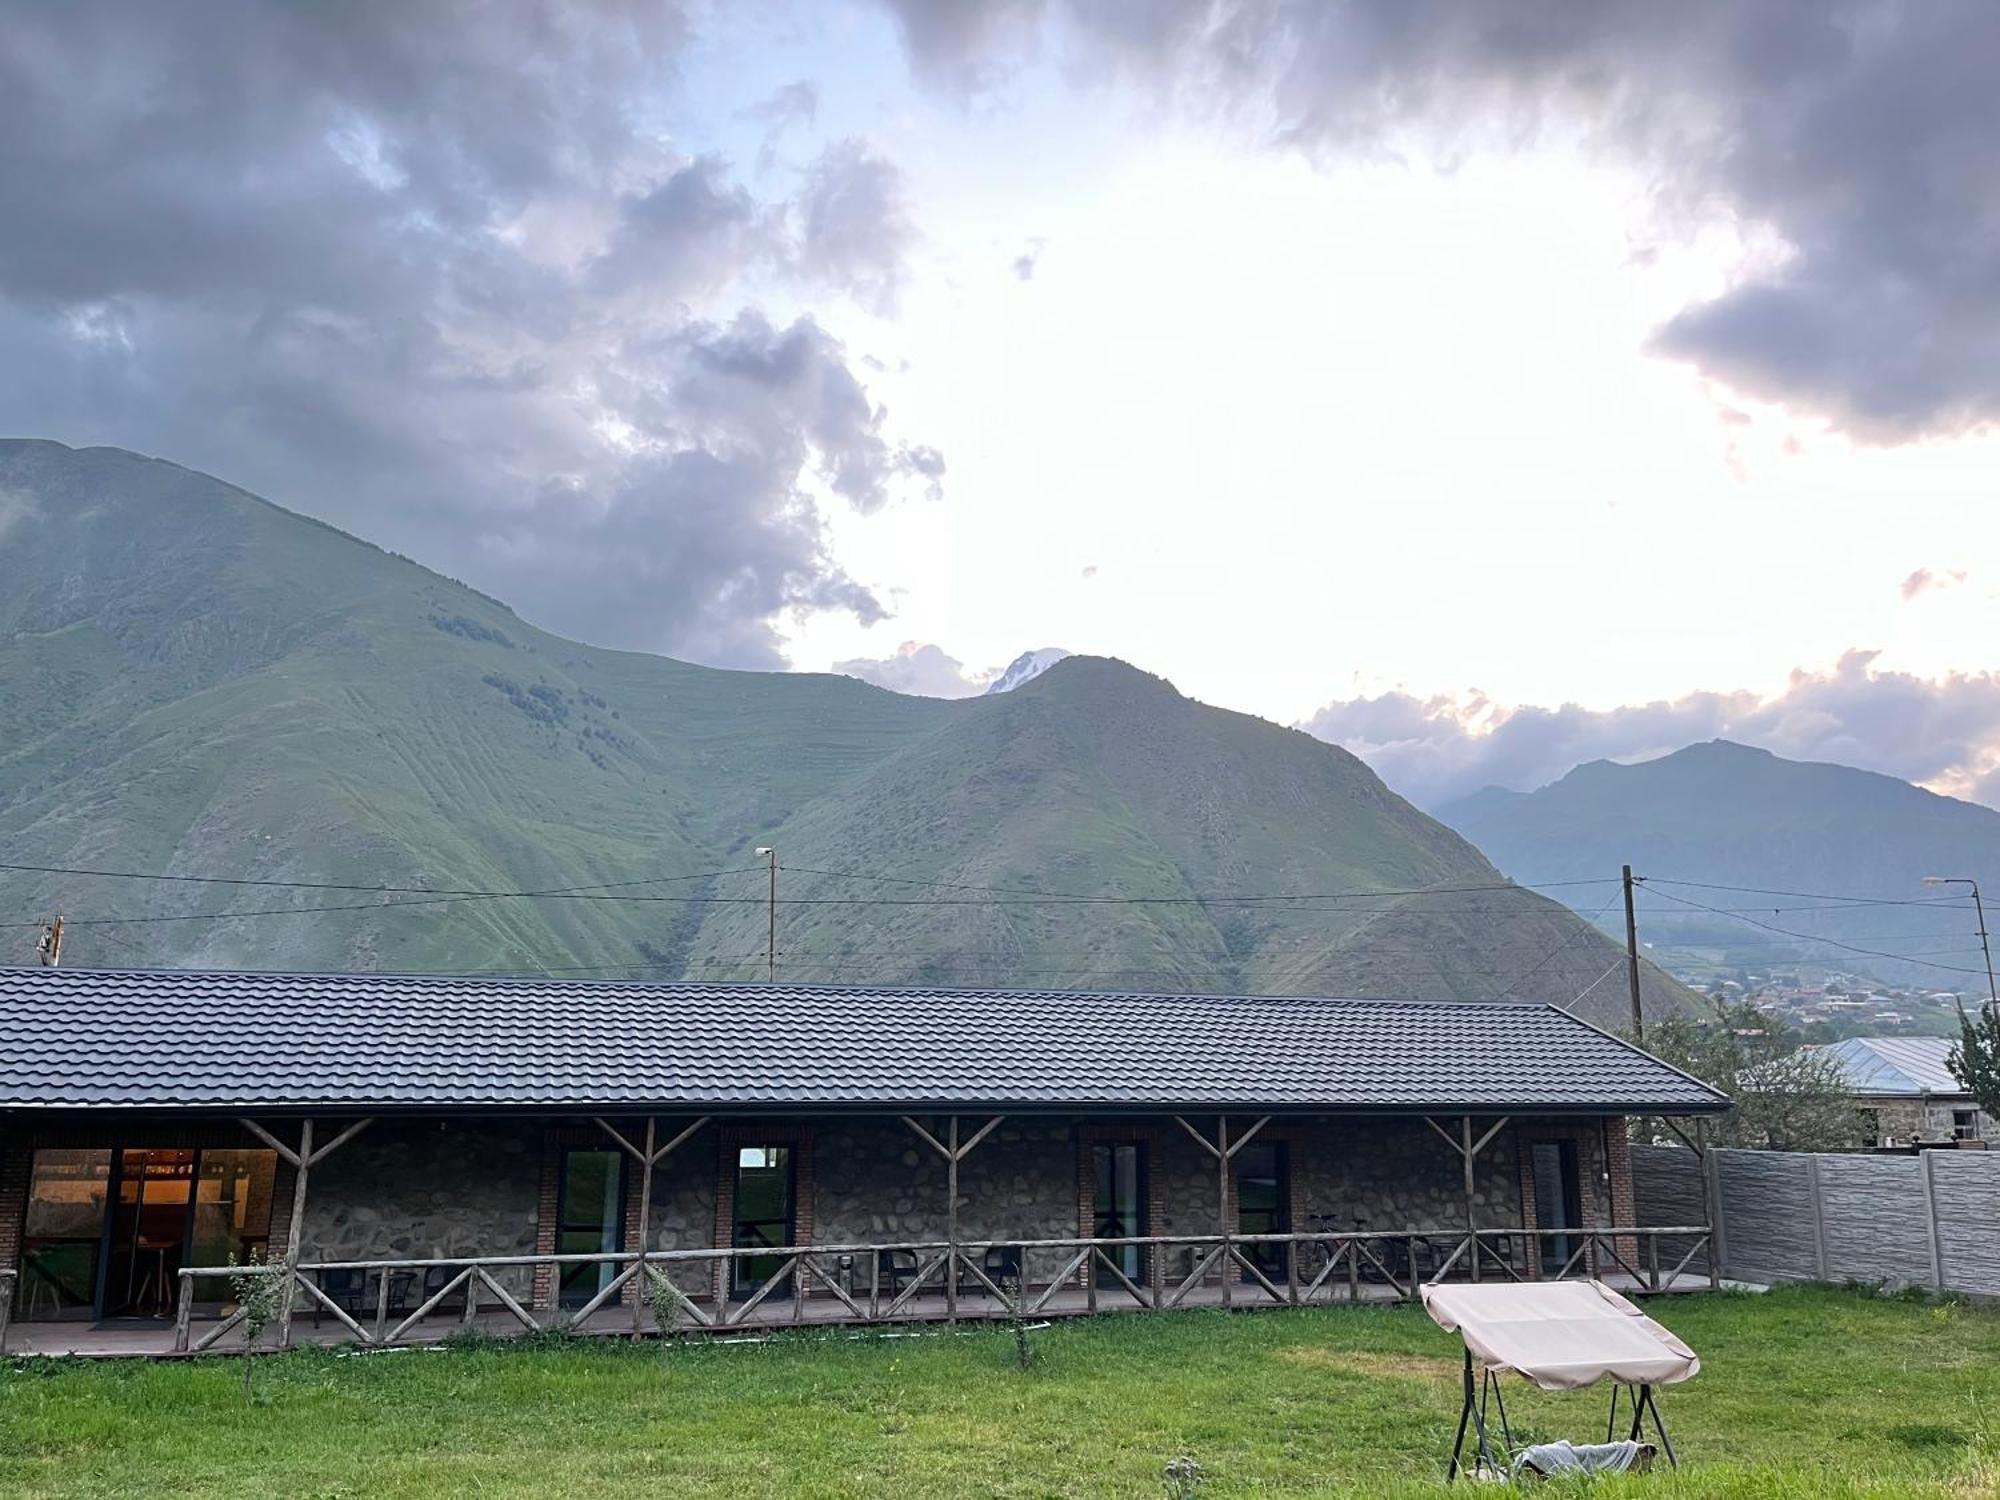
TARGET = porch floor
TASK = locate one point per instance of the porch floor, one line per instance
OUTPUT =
(127, 1340)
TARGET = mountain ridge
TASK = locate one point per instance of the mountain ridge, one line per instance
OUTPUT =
(193, 682)
(1723, 813)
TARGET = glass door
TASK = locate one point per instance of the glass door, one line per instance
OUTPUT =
(1261, 1206)
(1121, 1202)
(148, 1233)
(1557, 1205)
(764, 1215)
(590, 1220)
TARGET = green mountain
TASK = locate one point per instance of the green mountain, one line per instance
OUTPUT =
(194, 681)
(1724, 814)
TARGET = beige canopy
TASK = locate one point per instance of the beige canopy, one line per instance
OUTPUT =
(1562, 1335)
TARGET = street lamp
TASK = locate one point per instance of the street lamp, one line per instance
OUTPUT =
(1979, 908)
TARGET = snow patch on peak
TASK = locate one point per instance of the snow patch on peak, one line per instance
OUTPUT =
(1025, 668)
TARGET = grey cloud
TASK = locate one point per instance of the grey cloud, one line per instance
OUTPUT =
(854, 224)
(1860, 131)
(1943, 732)
(424, 271)
(919, 668)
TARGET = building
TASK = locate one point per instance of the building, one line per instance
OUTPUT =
(1906, 1091)
(424, 1149)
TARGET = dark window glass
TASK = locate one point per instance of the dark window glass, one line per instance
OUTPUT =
(1121, 1201)
(1261, 1207)
(1557, 1203)
(62, 1234)
(590, 1220)
(763, 1214)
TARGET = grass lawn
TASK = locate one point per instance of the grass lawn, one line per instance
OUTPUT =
(1804, 1392)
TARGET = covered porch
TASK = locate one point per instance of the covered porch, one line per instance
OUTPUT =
(751, 1221)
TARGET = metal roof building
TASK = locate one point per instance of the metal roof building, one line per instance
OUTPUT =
(796, 1152)
(83, 1038)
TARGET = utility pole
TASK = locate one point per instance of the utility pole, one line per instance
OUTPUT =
(49, 949)
(1632, 960)
(1979, 910)
(771, 937)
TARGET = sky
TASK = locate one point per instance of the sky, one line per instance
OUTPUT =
(1485, 388)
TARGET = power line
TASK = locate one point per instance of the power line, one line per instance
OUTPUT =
(1755, 890)
(1808, 937)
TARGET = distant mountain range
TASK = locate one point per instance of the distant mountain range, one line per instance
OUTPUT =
(196, 682)
(1727, 815)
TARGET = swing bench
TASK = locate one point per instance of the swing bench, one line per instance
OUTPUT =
(1563, 1336)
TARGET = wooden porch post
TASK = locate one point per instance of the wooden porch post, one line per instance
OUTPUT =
(1222, 1206)
(295, 1229)
(646, 1159)
(1471, 1209)
(1710, 1202)
(951, 1219)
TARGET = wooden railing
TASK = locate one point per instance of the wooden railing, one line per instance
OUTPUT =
(979, 1278)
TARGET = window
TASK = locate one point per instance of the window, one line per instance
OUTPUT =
(1121, 1202)
(1965, 1124)
(63, 1234)
(764, 1215)
(590, 1220)
(1262, 1206)
(1557, 1202)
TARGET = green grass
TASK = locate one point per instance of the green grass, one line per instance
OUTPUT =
(1805, 1392)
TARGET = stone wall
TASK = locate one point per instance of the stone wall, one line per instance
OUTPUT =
(423, 1189)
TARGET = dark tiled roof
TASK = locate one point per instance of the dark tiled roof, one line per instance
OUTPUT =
(81, 1037)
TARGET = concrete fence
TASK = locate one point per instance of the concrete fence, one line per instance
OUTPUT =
(1929, 1220)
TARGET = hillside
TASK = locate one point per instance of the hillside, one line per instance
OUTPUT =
(195, 681)
(1730, 815)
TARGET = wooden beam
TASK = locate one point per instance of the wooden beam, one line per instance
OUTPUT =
(1199, 1139)
(679, 1140)
(323, 1152)
(932, 1141)
(1443, 1134)
(625, 1145)
(979, 1135)
(303, 1160)
(1491, 1131)
(1244, 1139)
(285, 1152)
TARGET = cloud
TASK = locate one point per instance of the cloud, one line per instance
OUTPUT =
(1924, 580)
(925, 670)
(1941, 732)
(431, 273)
(1026, 263)
(855, 228)
(1858, 133)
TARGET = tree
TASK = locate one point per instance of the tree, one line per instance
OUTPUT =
(262, 1288)
(1975, 1060)
(1788, 1096)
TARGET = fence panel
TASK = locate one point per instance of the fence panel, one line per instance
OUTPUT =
(1966, 1188)
(1667, 1188)
(1877, 1223)
(1769, 1227)
(1838, 1217)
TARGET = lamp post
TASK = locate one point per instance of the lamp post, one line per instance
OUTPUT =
(1979, 909)
(771, 937)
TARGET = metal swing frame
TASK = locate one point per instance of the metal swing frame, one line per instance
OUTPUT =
(1483, 1387)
